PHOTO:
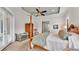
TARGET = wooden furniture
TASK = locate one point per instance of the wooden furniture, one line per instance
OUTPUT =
(29, 29)
(37, 46)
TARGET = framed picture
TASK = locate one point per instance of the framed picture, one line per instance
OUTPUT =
(55, 26)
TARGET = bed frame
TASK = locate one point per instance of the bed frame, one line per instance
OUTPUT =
(36, 46)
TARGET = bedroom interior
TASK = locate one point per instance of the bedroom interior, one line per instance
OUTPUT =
(39, 29)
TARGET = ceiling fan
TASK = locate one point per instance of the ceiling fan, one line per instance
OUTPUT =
(39, 12)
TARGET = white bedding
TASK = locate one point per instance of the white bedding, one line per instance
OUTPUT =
(54, 43)
(74, 41)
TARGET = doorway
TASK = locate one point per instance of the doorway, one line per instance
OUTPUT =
(45, 26)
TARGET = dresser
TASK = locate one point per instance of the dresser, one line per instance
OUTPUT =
(29, 29)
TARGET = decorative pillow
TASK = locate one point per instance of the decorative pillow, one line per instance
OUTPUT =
(61, 34)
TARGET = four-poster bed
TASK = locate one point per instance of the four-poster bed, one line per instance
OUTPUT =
(38, 45)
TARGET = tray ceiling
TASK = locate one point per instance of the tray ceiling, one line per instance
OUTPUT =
(50, 10)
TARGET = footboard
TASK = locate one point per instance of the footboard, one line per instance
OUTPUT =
(38, 41)
(40, 47)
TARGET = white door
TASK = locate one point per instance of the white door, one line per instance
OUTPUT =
(45, 27)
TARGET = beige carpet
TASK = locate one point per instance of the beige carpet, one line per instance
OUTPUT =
(18, 46)
(23, 46)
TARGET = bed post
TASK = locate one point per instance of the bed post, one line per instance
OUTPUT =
(67, 25)
(30, 32)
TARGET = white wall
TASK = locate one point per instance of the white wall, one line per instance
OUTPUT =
(52, 20)
(21, 18)
(73, 14)
(56, 20)
(37, 23)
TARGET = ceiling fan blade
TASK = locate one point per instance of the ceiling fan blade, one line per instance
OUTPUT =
(43, 11)
(37, 10)
(43, 14)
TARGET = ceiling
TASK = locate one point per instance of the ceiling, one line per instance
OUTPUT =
(29, 10)
(50, 10)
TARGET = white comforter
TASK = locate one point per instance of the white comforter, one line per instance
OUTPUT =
(74, 41)
(54, 43)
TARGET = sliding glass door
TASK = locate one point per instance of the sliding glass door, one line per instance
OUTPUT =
(1, 30)
(5, 28)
